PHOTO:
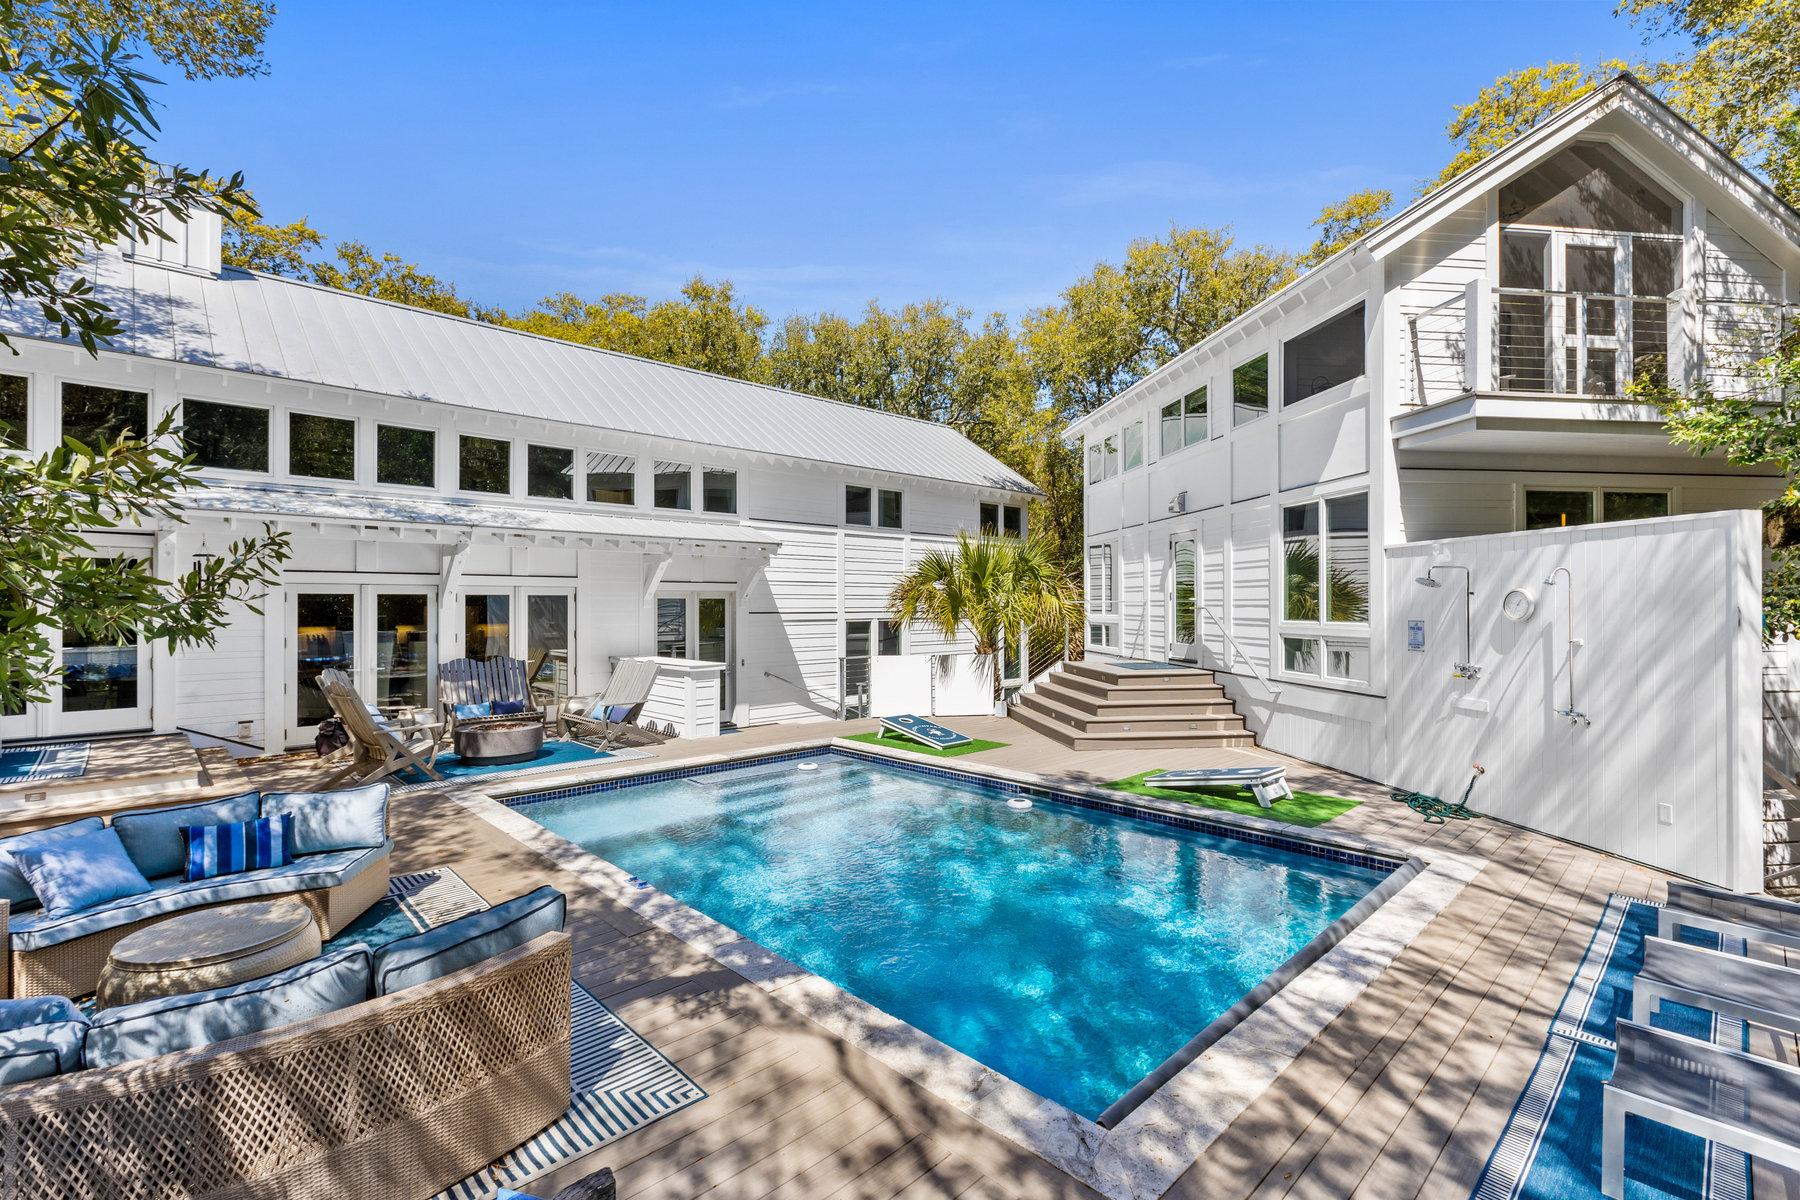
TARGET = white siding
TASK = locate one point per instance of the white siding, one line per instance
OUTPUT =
(1740, 290)
(220, 686)
(1435, 267)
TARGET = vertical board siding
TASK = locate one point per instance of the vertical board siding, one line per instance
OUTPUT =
(218, 686)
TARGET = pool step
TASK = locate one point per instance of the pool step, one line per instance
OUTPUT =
(1097, 705)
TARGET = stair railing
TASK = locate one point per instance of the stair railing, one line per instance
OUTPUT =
(1274, 689)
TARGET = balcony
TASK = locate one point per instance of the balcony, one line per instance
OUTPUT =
(1527, 370)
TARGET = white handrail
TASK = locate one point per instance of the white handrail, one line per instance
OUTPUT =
(1274, 689)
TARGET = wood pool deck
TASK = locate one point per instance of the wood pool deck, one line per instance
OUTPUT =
(1401, 1096)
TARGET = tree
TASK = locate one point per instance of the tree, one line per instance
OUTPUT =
(1512, 105)
(1350, 219)
(1758, 428)
(75, 120)
(994, 586)
(254, 245)
(387, 277)
(706, 328)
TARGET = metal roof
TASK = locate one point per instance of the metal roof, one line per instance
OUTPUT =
(365, 509)
(267, 325)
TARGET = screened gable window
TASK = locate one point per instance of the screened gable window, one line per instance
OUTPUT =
(98, 416)
(1323, 357)
(1250, 390)
(673, 486)
(14, 409)
(718, 491)
(1134, 446)
(611, 478)
(484, 465)
(550, 472)
(1590, 186)
(321, 447)
(226, 437)
(405, 457)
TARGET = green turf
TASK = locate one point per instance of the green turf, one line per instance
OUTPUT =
(1302, 808)
(897, 743)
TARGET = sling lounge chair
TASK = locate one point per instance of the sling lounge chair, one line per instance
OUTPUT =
(1754, 918)
(490, 681)
(1732, 985)
(1738, 1100)
(924, 731)
(382, 748)
(605, 719)
(1267, 784)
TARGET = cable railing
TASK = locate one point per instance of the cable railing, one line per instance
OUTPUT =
(1571, 343)
(1439, 339)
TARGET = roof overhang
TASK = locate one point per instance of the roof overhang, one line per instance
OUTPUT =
(1511, 425)
(365, 515)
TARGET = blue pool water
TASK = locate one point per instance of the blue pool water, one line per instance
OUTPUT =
(1066, 948)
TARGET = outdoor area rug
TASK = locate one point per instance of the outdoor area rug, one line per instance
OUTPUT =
(35, 764)
(1550, 1149)
(621, 1082)
(558, 755)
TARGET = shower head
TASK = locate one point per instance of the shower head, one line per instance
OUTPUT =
(1427, 581)
(1550, 579)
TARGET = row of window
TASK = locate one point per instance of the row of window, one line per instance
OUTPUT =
(1323, 357)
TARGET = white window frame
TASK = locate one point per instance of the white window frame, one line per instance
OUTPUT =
(1598, 492)
(1131, 446)
(1321, 631)
(437, 464)
(1269, 387)
(1105, 615)
(577, 484)
(233, 472)
(513, 464)
(875, 512)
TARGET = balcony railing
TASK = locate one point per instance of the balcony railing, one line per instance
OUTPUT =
(1587, 344)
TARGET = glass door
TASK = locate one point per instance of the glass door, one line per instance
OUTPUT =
(1183, 598)
(548, 643)
(1590, 315)
(383, 638)
(324, 638)
(712, 643)
(403, 649)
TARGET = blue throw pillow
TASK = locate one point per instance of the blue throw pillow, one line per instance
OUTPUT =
(80, 872)
(214, 850)
(466, 712)
(13, 888)
(152, 1027)
(154, 838)
(617, 713)
(352, 819)
(508, 708)
(465, 941)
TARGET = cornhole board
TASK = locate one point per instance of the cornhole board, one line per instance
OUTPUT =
(924, 731)
(1268, 784)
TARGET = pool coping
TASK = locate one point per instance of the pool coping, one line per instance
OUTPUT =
(1190, 1099)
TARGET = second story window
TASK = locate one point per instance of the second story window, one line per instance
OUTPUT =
(1184, 421)
(1323, 357)
(484, 465)
(405, 457)
(888, 509)
(1008, 519)
(15, 394)
(718, 491)
(1134, 446)
(550, 472)
(226, 437)
(673, 486)
(1250, 390)
(859, 505)
(321, 447)
(97, 416)
(611, 478)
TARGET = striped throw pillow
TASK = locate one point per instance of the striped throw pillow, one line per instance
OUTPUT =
(214, 850)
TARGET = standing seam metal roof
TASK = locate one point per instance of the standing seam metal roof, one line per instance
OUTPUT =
(288, 329)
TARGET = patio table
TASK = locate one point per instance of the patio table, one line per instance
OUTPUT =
(499, 741)
(210, 948)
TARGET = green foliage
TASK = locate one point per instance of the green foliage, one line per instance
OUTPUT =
(993, 586)
(50, 578)
(1349, 599)
(1347, 221)
(1740, 86)
(707, 328)
(387, 277)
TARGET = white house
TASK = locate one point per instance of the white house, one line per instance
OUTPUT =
(1460, 372)
(455, 488)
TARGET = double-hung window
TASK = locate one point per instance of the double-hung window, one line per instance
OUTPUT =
(1325, 567)
(1102, 597)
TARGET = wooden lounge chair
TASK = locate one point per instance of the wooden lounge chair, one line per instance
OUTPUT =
(1735, 1099)
(605, 719)
(468, 681)
(382, 747)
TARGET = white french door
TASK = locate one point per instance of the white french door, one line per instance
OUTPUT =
(700, 625)
(384, 636)
(529, 622)
(105, 685)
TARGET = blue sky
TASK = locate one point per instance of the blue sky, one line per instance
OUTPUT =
(822, 155)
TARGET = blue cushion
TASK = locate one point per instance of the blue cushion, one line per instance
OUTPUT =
(39, 1051)
(467, 940)
(36, 930)
(466, 712)
(13, 888)
(352, 819)
(80, 872)
(153, 837)
(214, 850)
(36, 1010)
(617, 714)
(508, 708)
(152, 1027)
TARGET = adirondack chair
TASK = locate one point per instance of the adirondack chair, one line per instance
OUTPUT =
(396, 714)
(483, 681)
(605, 719)
(382, 747)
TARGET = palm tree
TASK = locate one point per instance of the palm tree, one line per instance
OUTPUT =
(994, 585)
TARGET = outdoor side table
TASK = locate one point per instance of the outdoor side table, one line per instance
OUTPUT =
(211, 948)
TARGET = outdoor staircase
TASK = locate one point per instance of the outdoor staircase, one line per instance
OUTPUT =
(1096, 705)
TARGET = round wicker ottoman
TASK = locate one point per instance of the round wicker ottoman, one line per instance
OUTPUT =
(215, 947)
(492, 742)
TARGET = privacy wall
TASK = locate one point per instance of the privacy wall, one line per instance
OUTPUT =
(1661, 761)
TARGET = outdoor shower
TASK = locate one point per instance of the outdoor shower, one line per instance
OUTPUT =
(1465, 669)
(1575, 643)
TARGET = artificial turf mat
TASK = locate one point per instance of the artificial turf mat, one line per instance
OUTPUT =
(1302, 808)
(895, 743)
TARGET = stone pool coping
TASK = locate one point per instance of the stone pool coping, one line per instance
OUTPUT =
(1197, 1093)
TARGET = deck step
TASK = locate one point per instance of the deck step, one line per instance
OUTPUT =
(1167, 691)
(1097, 705)
(1208, 702)
(1155, 720)
(1077, 739)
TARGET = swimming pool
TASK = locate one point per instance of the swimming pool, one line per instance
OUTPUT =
(1070, 949)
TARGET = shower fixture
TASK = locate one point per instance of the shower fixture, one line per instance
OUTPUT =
(1570, 711)
(1466, 669)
